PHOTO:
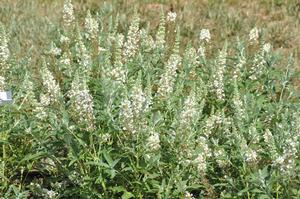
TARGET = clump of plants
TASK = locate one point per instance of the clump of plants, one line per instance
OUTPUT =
(139, 114)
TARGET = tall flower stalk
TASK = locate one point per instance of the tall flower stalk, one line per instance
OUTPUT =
(4, 51)
(81, 104)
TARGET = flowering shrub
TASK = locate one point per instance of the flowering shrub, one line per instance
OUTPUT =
(138, 114)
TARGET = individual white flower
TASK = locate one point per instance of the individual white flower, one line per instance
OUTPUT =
(254, 135)
(54, 50)
(171, 16)
(267, 47)
(153, 141)
(105, 137)
(221, 157)
(268, 137)
(91, 26)
(200, 163)
(205, 35)
(40, 112)
(64, 40)
(2, 83)
(51, 194)
(201, 52)
(68, 13)
(202, 144)
(250, 155)
(188, 195)
(253, 34)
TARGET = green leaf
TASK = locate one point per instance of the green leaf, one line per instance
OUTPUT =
(127, 195)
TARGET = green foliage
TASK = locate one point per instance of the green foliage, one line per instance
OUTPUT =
(129, 114)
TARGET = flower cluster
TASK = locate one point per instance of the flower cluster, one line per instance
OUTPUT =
(83, 56)
(189, 112)
(254, 34)
(258, 65)
(171, 16)
(82, 104)
(160, 39)
(133, 37)
(52, 90)
(205, 35)
(91, 26)
(126, 115)
(218, 76)
(167, 80)
(68, 13)
(4, 51)
(153, 141)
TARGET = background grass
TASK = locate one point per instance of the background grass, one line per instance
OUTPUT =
(31, 23)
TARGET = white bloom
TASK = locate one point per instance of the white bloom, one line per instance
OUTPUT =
(153, 142)
(200, 163)
(138, 99)
(81, 103)
(188, 195)
(238, 104)
(250, 155)
(167, 80)
(53, 93)
(221, 157)
(2, 83)
(51, 194)
(147, 41)
(202, 143)
(218, 82)
(189, 112)
(131, 45)
(268, 137)
(254, 34)
(83, 56)
(171, 16)
(258, 65)
(118, 74)
(240, 63)
(267, 47)
(4, 51)
(68, 13)
(126, 116)
(205, 35)
(64, 39)
(201, 51)
(55, 51)
(91, 26)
